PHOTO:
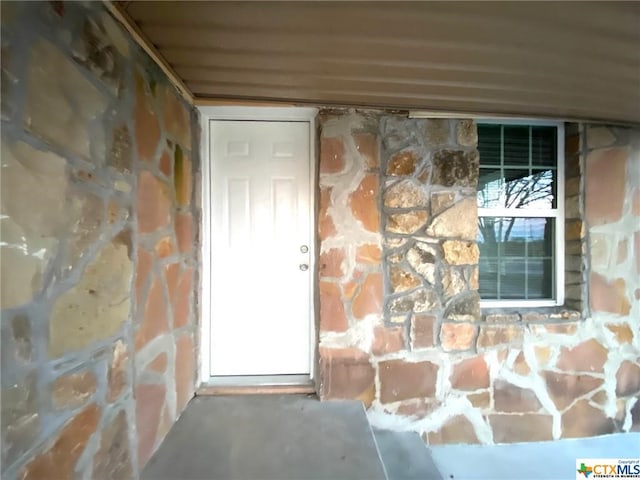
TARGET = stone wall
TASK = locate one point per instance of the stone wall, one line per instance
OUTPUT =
(400, 322)
(98, 258)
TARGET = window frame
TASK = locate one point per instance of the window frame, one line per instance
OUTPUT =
(558, 214)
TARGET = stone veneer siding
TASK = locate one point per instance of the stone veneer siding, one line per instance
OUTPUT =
(98, 256)
(400, 323)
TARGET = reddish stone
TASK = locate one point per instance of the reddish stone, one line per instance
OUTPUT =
(146, 123)
(165, 163)
(155, 316)
(158, 364)
(182, 300)
(417, 408)
(332, 315)
(184, 232)
(458, 430)
(457, 336)
(112, 461)
(565, 388)
(480, 400)
(401, 280)
(349, 289)
(530, 427)
(346, 374)
(509, 398)
(584, 420)
(368, 253)
(326, 228)
(367, 146)
(176, 117)
(520, 365)
(149, 402)
(185, 371)
(403, 163)
(470, 374)
(588, 356)
(423, 331)
(608, 297)
(164, 247)
(331, 155)
(493, 335)
(636, 250)
(628, 379)
(331, 263)
(364, 204)
(171, 273)
(605, 184)
(143, 267)
(574, 230)
(369, 299)
(74, 389)
(153, 203)
(182, 177)
(387, 340)
(400, 380)
(59, 460)
(117, 376)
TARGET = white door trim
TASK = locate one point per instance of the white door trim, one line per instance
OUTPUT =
(207, 114)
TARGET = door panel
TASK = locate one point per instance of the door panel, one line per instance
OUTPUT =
(261, 214)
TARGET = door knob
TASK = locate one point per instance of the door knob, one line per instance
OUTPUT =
(304, 267)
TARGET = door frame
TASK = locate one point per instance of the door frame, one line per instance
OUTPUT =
(281, 114)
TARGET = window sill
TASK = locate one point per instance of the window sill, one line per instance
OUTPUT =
(529, 314)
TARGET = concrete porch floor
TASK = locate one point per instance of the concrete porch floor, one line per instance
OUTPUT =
(297, 437)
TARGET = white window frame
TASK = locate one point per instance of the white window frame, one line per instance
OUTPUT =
(557, 213)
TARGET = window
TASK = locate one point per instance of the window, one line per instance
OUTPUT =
(520, 214)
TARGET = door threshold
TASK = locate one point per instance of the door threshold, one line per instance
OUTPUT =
(257, 385)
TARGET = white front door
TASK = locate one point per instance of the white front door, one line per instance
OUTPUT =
(260, 248)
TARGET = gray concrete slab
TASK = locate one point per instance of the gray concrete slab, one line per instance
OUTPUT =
(405, 456)
(527, 461)
(268, 437)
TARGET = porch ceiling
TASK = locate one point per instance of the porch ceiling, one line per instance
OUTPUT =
(550, 59)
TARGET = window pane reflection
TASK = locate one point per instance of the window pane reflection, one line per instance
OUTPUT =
(516, 188)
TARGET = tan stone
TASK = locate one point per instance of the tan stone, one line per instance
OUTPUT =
(605, 185)
(574, 230)
(405, 194)
(457, 336)
(407, 223)
(589, 356)
(456, 430)
(401, 280)
(349, 289)
(153, 203)
(416, 408)
(112, 461)
(117, 376)
(59, 460)
(437, 132)
(368, 300)
(21, 422)
(459, 221)
(21, 338)
(440, 201)
(97, 306)
(332, 315)
(509, 398)
(400, 380)
(423, 334)
(598, 137)
(584, 420)
(422, 258)
(565, 388)
(608, 296)
(543, 354)
(73, 390)
(494, 335)
(326, 227)
(346, 374)
(403, 163)
(628, 378)
(176, 117)
(480, 400)
(455, 168)
(460, 253)
(623, 332)
(332, 154)
(520, 365)
(52, 80)
(470, 374)
(368, 253)
(331, 263)
(531, 427)
(147, 124)
(467, 133)
(418, 301)
(387, 340)
(453, 282)
(600, 397)
(367, 146)
(363, 203)
(464, 308)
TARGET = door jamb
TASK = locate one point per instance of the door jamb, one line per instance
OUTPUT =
(282, 114)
